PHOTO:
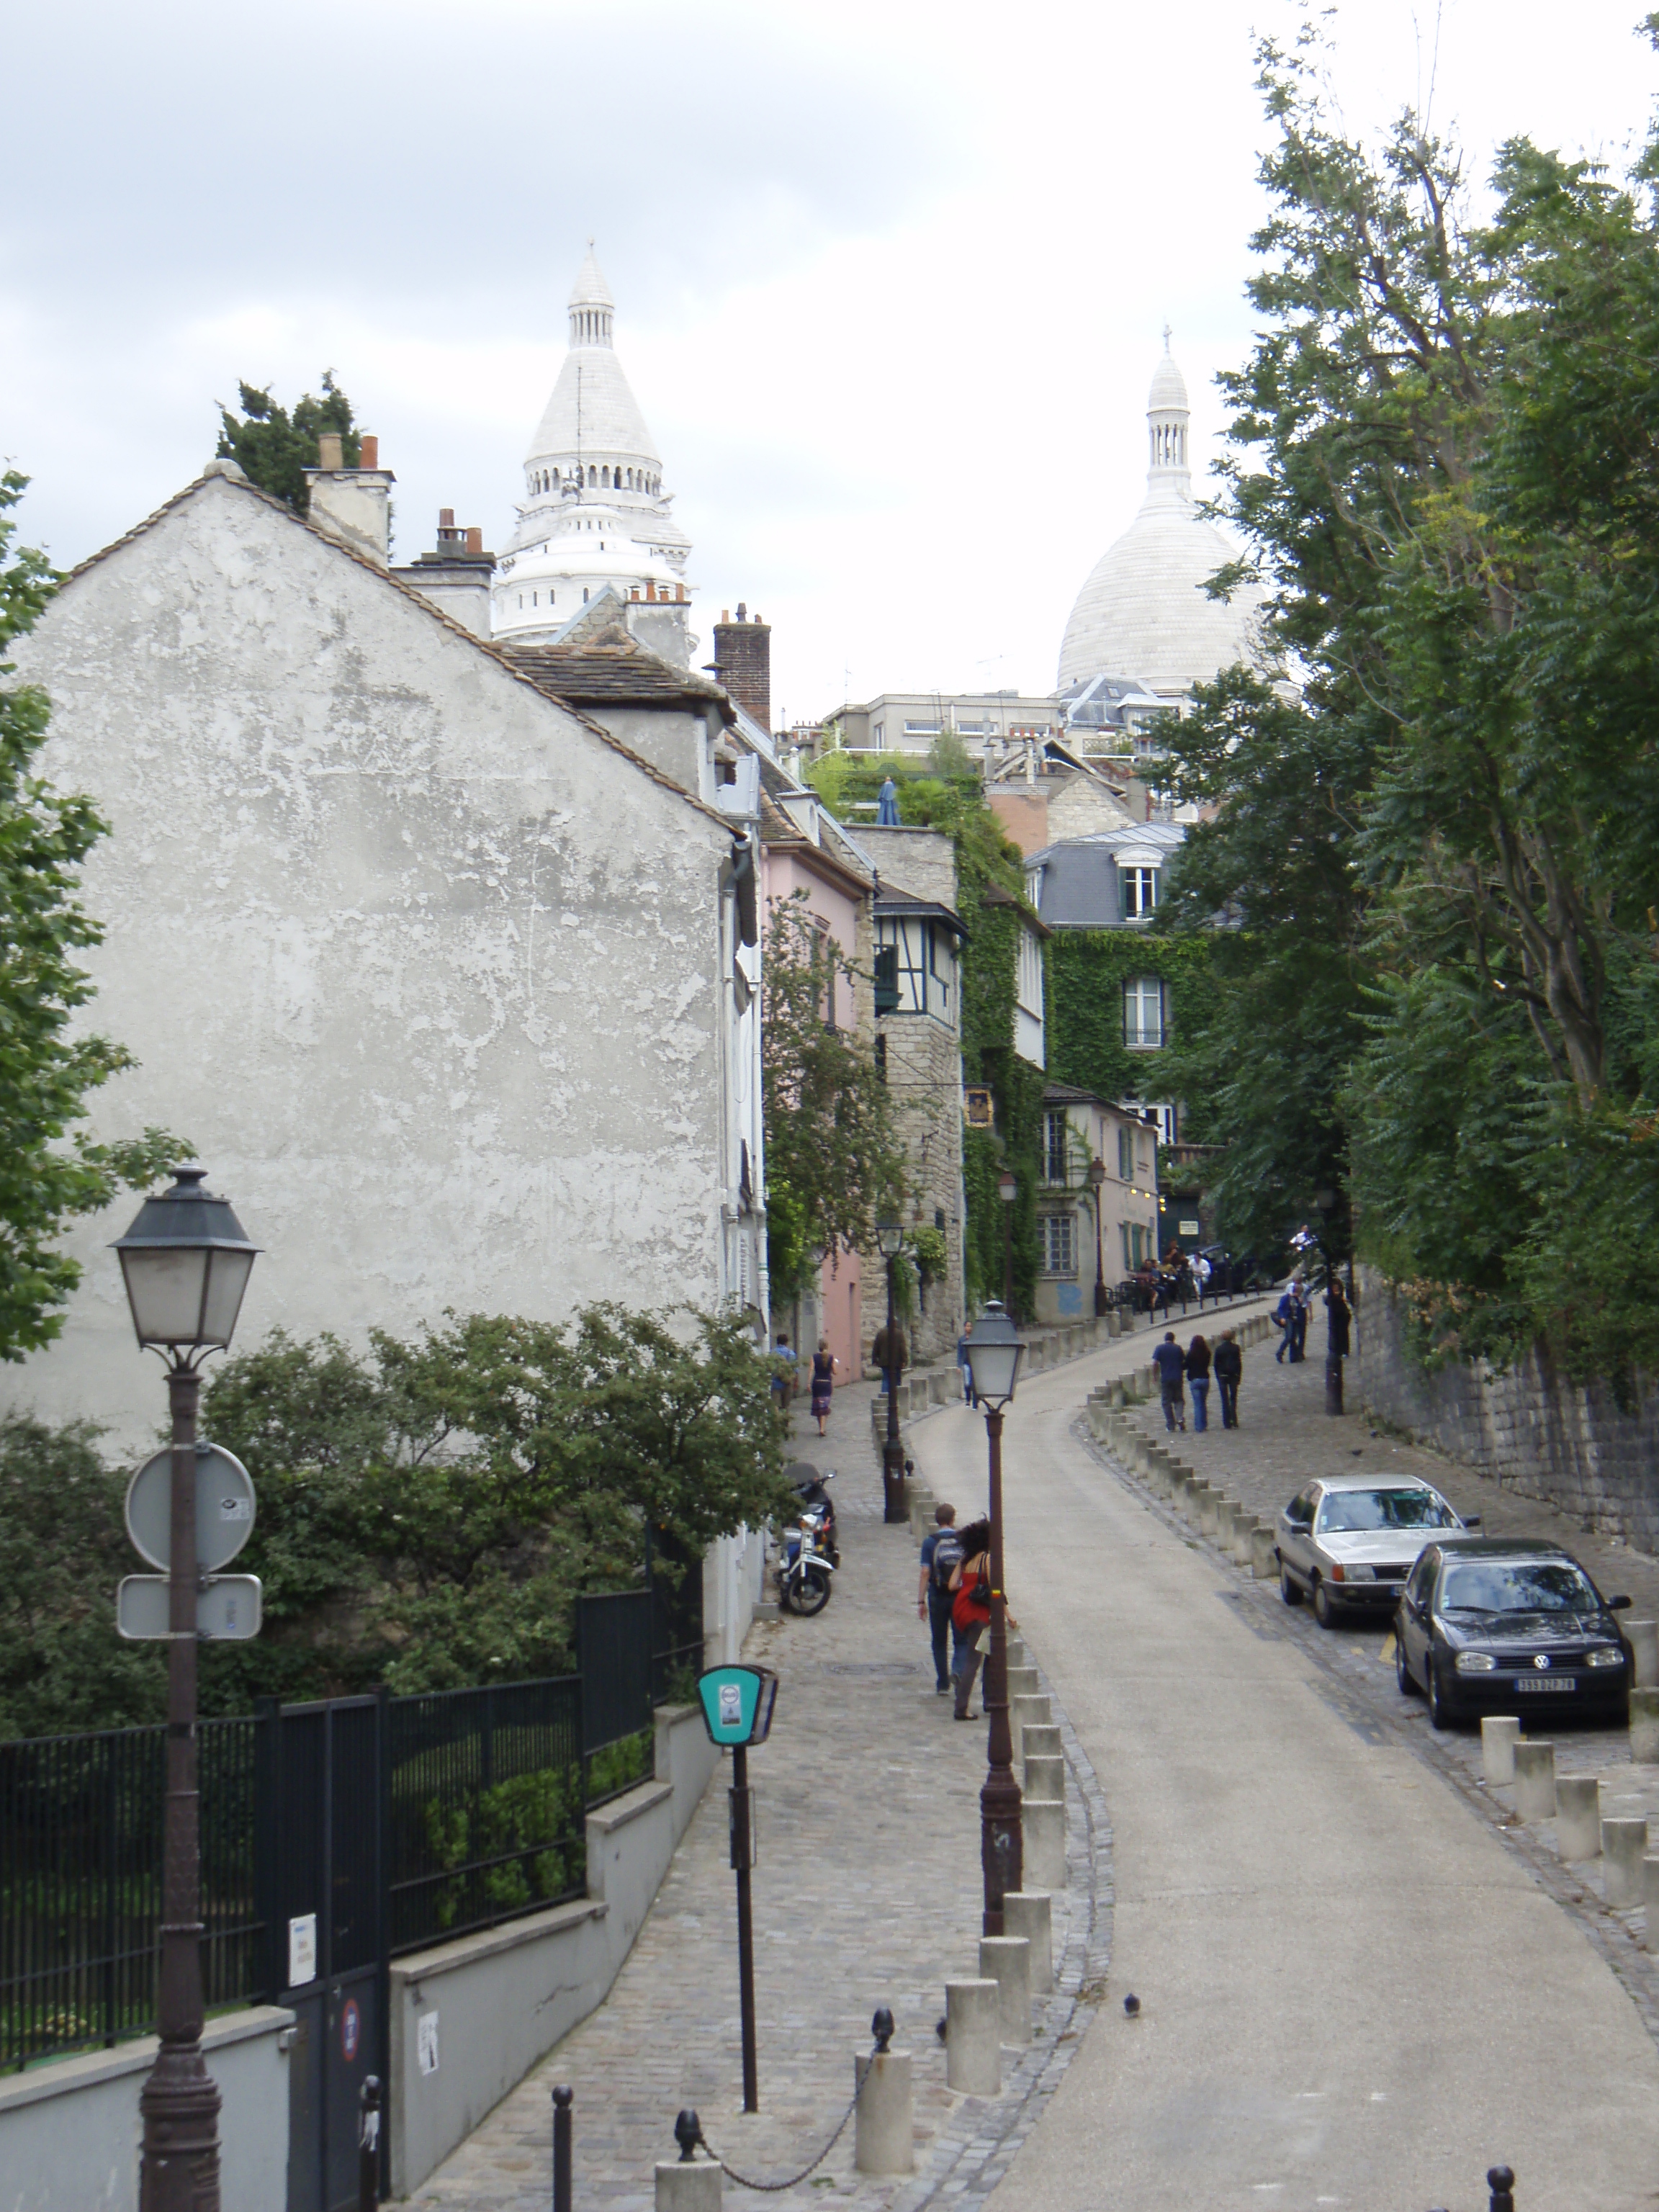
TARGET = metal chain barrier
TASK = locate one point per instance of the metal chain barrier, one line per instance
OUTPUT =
(883, 2030)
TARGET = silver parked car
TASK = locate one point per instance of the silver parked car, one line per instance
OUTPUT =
(1349, 1541)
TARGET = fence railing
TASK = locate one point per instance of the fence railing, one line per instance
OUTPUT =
(474, 1812)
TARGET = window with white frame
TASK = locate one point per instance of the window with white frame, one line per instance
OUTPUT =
(915, 965)
(1160, 1118)
(1056, 1146)
(1028, 982)
(1143, 1013)
(1126, 1154)
(1059, 1244)
(1139, 891)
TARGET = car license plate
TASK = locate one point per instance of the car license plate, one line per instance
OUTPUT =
(1546, 1681)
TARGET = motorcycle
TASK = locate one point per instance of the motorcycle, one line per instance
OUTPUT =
(816, 1504)
(804, 1571)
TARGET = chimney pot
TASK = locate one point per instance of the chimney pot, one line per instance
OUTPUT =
(446, 518)
(328, 450)
(726, 614)
(371, 453)
(474, 541)
(742, 612)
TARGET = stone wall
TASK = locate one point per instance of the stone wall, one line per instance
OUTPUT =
(1530, 1430)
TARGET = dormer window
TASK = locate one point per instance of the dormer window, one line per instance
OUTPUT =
(1140, 891)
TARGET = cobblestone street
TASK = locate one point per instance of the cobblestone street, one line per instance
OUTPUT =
(868, 1892)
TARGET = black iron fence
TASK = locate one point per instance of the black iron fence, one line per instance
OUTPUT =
(387, 1823)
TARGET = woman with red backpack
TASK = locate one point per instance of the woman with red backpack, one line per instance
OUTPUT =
(970, 1610)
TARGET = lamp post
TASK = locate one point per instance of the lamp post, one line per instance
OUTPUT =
(890, 1239)
(1097, 1183)
(1329, 1203)
(993, 1357)
(185, 1263)
(1007, 1191)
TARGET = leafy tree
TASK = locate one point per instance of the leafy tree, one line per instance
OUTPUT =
(833, 1161)
(274, 449)
(52, 1170)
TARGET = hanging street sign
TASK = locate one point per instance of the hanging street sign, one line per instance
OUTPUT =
(224, 1508)
(737, 1704)
(227, 1608)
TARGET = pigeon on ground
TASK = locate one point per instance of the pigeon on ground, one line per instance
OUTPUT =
(1132, 2005)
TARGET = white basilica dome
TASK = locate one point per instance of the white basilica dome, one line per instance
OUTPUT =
(1144, 612)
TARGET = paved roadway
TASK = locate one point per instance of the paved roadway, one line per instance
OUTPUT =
(1352, 1993)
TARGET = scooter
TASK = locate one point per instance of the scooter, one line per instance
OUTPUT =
(816, 1504)
(804, 1569)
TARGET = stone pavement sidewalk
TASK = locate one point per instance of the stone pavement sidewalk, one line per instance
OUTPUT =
(868, 1892)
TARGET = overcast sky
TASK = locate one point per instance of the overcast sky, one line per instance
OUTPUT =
(890, 274)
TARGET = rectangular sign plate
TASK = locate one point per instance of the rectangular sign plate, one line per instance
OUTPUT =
(228, 1609)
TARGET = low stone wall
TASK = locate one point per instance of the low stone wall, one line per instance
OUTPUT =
(69, 2130)
(1529, 1430)
(470, 2019)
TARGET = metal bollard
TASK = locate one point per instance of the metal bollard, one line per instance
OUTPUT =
(368, 2145)
(562, 2192)
(1500, 2179)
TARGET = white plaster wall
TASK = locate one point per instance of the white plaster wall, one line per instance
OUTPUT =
(425, 970)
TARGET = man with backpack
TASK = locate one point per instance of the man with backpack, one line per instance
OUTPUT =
(941, 1555)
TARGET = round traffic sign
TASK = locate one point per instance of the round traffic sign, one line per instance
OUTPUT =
(224, 1508)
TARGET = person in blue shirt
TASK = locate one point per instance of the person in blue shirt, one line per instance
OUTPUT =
(941, 1554)
(1171, 1366)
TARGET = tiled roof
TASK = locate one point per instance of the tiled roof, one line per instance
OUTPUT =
(624, 675)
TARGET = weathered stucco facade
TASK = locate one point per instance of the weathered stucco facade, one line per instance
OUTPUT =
(432, 973)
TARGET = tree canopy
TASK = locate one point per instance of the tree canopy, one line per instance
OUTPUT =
(51, 1169)
(1438, 858)
(274, 448)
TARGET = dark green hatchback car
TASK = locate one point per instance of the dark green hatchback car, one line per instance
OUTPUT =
(1490, 1624)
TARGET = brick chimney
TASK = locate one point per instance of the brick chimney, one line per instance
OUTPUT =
(743, 655)
(353, 505)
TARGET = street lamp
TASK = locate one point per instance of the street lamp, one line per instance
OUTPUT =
(890, 1241)
(1007, 1191)
(185, 1263)
(1097, 1182)
(993, 1355)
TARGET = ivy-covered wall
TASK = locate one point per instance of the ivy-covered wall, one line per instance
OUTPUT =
(1087, 969)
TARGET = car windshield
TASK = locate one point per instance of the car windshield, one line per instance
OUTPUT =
(1384, 1509)
(1517, 1586)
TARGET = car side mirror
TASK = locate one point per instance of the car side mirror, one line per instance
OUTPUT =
(1471, 1520)
(1618, 1604)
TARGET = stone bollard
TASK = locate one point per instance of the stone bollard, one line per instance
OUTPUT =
(1644, 1727)
(884, 2125)
(973, 2037)
(1264, 1565)
(1244, 1521)
(1651, 1904)
(1026, 1912)
(1209, 1513)
(1534, 1781)
(1624, 1846)
(1015, 1646)
(1645, 1647)
(1007, 1960)
(688, 2183)
(1577, 1817)
(1044, 1777)
(1042, 1742)
(1028, 1712)
(1499, 1734)
(1045, 1842)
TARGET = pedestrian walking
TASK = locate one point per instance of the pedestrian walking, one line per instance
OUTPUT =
(1339, 1317)
(1299, 1312)
(1284, 1315)
(824, 1364)
(966, 1365)
(1171, 1375)
(941, 1555)
(1228, 1365)
(891, 1357)
(970, 1610)
(1198, 1380)
(783, 1375)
